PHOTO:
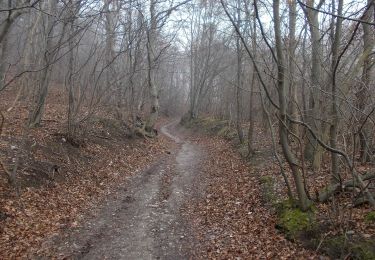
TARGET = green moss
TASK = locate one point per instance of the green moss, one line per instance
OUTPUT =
(357, 248)
(294, 221)
(284, 205)
(363, 250)
(266, 179)
(333, 246)
(370, 217)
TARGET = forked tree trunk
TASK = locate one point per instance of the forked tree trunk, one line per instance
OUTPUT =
(49, 53)
(304, 202)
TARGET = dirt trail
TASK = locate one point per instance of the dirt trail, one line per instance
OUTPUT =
(142, 220)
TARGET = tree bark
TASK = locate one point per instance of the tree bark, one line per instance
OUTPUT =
(151, 41)
(304, 202)
(312, 150)
(335, 116)
(239, 78)
(5, 27)
(50, 52)
(291, 60)
(363, 92)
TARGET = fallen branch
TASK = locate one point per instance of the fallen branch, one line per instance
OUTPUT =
(343, 154)
(330, 190)
(360, 201)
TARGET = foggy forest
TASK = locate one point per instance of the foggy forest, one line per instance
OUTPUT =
(187, 129)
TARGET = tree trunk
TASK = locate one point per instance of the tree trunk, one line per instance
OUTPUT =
(304, 202)
(49, 54)
(151, 38)
(239, 79)
(5, 27)
(312, 153)
(74, 7)
(254, 77)
(335, 116)
(363, 92)
(291, 60)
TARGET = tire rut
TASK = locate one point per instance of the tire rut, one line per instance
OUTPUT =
(143, 220)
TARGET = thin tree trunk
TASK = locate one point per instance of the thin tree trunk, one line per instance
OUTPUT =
(304, 202)
(74, 7)
(151, 38)
(252, 84)
(239, 79)
(312, 150)
(335, 116)
(5, 27)
(49, 54)
(363, 93)
(291, 58)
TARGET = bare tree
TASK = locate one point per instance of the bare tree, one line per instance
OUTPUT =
(51, 49)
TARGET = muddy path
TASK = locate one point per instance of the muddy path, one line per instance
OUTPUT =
(142, 220)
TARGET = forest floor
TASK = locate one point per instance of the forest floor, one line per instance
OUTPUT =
(142, 219)
(232, 219)
(182, 195)
(199, 201)
(245, 208)
(59, 182)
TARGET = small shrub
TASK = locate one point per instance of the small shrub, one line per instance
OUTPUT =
(356, 248)
(370, 217)
(363, 250)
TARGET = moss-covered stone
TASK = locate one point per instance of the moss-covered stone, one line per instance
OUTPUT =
(293, 221)
(370, 217)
